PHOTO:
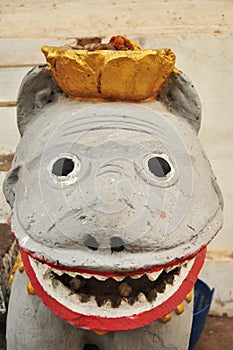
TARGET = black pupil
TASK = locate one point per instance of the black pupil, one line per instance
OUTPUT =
(63, 167)
(159, 166)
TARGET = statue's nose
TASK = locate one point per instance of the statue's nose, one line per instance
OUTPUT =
(111, 189)
(116, 244)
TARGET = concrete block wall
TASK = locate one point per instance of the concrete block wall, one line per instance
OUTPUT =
(201, 35)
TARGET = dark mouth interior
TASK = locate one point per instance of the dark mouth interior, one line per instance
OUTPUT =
(116, 291)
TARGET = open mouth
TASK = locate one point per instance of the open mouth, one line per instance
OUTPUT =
(115, 291)
(118, 302)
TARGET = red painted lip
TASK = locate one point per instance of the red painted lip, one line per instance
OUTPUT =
(119, 323)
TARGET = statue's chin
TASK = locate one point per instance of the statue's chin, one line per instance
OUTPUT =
(120, 302)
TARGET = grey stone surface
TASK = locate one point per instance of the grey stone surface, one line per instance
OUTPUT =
(37, 89)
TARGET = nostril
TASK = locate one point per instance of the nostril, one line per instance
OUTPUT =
(91, 243)
(117, 245)
(90, 347)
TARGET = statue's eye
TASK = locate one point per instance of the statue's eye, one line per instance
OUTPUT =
(63, 166)
(159, 166)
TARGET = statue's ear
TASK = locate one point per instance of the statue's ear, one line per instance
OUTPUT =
(182, 99)
(9, 184)
(37, 89)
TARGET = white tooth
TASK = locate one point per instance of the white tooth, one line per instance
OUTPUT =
(118, 278)
(92, 299)
(71, 274)
(100, 278)
(61, 272)
(47, 274)
(108, 304)
(135, 277)
(124, 303)
(141, 298)
(153, 275)
(58, 272)
(54, 283)
(170, 268)
(74, 274)
(86, 275)
(184, 264)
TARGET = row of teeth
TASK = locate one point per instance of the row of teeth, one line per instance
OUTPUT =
(130, 290)
(152, 276)
(150, 290)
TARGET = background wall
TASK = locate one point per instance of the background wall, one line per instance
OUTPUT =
(199, 32)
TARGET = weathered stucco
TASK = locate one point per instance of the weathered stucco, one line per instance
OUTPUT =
(138, 198)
